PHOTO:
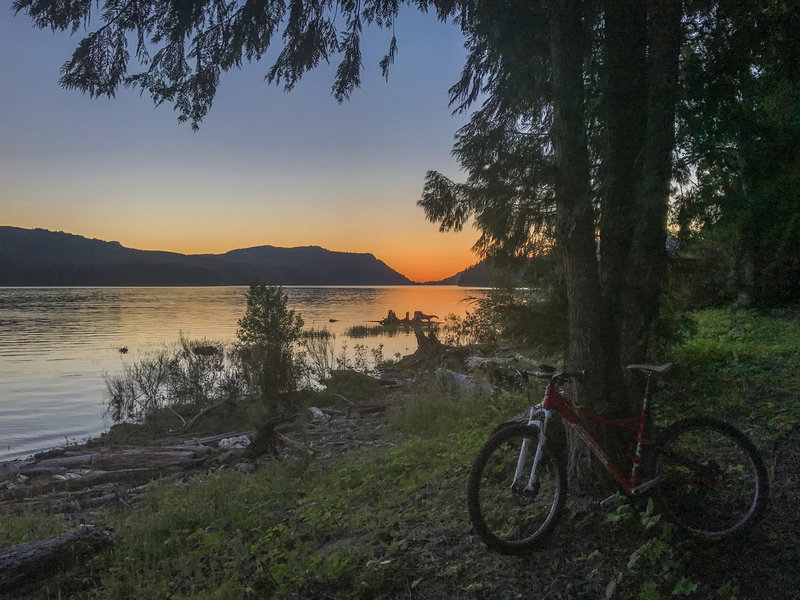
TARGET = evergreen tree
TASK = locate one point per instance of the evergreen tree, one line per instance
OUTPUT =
(740, 122)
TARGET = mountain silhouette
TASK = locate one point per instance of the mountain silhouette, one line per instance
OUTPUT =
(475, 276)
(48, 258)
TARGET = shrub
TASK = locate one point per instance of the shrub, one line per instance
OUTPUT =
(529, 316)
(267, 334)
(316, 356)
(185, 379)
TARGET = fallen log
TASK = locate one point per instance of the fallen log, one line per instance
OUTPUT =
(89, 480)
(133, 457)
(150, 457)
(10, 469)
(39, 470)
(26, 563)
(213, 438)
(60, 501)
(95, 478)
(68, 462)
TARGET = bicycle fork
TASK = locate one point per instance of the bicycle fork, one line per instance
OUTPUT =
(519, 474)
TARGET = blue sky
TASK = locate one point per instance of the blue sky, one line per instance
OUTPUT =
(266, 167)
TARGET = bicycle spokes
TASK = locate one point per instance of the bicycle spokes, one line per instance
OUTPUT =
(508, 512)
(711, 478)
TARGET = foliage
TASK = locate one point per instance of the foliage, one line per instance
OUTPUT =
(267, 333)
(569, 155)
(433, 409)
(506, 149)
(316, 354)
(659, 558)
(183, 49)
(740, 120)
(348, 386)
(19, 524)
(739, 364)
(185, 380)
(511, 315)
(528, 313)
(363, 359)
(268, 322)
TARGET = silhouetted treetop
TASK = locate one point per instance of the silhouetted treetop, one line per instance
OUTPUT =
(182, 46)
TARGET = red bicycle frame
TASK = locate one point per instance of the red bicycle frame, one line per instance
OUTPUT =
(555, 401)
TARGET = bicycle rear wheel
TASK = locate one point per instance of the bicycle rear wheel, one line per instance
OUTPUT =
(507, 517)
(714, 481)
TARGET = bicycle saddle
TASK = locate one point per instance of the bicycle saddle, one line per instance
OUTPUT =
(651, 368)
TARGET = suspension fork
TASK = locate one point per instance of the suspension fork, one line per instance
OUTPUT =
(541, 425)
(640, 439)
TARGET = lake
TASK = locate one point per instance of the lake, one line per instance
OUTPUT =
(56, 344)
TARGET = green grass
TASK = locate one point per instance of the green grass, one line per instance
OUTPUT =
(391, 522)
(19, 524)
(740, 365)
(289, 527)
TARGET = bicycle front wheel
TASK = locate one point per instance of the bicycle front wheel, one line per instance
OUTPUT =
(507, 514)
(714, 482)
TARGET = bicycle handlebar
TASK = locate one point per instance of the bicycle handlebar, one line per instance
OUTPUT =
(552, 375)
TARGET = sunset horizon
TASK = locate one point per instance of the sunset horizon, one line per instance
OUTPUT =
(418, 269)
(266, 167)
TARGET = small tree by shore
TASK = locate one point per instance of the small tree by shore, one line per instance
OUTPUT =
(198, 375)
(267, 334)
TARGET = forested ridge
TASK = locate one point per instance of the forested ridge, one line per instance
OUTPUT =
(41, 257)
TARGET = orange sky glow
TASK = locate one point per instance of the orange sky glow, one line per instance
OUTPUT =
(266, 167)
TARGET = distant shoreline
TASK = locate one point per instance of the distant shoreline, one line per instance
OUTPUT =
(243, 285)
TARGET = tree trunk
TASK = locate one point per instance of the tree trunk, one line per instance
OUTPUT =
(646, 266)
(575, 231)
(624, 116)
(640, 91)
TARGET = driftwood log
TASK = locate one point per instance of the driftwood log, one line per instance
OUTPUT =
(419, 317)
(25, 563)
(75, 472)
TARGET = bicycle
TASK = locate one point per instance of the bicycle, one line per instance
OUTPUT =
(706, 476)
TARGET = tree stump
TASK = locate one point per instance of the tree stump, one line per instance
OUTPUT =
(428, 343)
(420, 317)
(266, 440)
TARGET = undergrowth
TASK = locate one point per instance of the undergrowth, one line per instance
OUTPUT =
(391, 522)
(740, 365)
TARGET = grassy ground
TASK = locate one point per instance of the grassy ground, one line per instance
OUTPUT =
(391, 522)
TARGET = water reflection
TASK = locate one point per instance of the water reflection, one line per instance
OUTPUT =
(56, 343)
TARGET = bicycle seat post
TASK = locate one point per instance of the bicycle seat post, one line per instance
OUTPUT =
(646, 397)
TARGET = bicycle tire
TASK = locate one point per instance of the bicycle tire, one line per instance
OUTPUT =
(506, 517)
(714, 480)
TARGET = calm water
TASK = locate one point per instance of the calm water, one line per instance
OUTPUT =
(56, 343)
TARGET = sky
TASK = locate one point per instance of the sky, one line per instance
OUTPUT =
(266, 167)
